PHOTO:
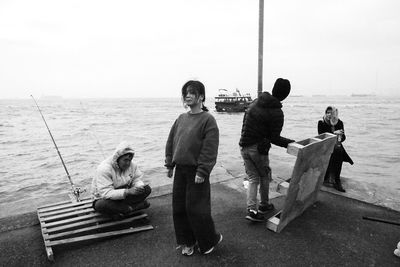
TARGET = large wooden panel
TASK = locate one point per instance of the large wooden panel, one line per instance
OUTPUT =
(307, 177)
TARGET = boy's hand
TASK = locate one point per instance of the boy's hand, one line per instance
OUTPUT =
(198, 179)
(136, 190)
(170, 173)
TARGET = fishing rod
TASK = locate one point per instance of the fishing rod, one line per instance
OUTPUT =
(75, 190)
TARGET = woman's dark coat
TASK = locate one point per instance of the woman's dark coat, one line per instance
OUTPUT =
(324, 127)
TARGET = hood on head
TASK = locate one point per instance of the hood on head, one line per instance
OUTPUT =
(281, 89)
(123, 148)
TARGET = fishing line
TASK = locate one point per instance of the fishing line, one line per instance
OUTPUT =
(97, 139)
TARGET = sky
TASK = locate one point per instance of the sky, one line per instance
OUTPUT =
(90, 49)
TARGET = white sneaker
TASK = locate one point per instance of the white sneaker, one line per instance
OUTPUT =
(212, 248)
(397, 252)
(187, 251)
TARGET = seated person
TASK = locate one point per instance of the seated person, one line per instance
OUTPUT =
(117, 186)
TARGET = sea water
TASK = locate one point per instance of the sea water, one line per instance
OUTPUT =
(87, 131)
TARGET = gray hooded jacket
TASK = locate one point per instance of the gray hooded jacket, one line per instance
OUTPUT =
(110, 181)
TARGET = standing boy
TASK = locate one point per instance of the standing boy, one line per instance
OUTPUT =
(262, 125)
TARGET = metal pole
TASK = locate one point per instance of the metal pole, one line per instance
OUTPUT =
(260, 47)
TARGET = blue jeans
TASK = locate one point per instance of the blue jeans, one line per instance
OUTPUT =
(191, 205)
(259, 174)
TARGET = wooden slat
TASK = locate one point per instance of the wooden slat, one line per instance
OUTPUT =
(63, 205)
(55, 204)
(100, 235)
(95, 227)
(67, 215)
(75, 219)
(61, 211)
(78, 224)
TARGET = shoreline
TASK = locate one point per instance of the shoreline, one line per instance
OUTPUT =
(12, 218)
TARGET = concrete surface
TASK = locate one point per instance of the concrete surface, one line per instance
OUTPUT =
(330, 233)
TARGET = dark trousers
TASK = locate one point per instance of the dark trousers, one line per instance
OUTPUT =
(191, 207)
(335, 165)
(123, 206)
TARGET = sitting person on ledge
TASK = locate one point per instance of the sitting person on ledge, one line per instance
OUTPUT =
(117, 186)
(332, 124)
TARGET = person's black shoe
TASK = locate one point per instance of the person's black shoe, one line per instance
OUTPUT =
(140, 206)
(265, 209)
(254, 216)
(339, 188)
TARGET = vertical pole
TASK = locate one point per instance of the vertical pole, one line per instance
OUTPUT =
(260, 47)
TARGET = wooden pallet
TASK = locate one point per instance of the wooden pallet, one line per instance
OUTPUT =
(307, 177)
(71, 222)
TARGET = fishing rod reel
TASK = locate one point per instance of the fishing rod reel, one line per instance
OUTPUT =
(77, 191)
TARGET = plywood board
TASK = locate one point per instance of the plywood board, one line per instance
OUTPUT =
(307, 177)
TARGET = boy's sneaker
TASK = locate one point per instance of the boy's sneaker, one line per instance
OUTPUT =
(254, 216)
(187, 250)
(140, 206)
(266, 208)
(212, 248)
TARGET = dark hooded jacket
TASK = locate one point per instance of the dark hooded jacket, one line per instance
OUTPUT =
(263, 122)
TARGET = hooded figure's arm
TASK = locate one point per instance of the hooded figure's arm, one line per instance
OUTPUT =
(137, 176)
(276, 128)
(105, 186)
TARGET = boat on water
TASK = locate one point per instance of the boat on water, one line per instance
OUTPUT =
(232, 102)
(361, 95)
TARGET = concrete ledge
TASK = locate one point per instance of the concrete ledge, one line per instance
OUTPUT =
(18, 221)
(369, 193)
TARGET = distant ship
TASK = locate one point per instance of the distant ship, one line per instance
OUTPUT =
(362, 95)
(232, 102)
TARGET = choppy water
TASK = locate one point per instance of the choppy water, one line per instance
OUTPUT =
(87, 130)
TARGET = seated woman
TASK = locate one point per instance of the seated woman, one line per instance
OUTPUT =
(332, 124)
(117, 186)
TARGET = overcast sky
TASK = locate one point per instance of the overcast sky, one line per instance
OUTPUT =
(150, 48)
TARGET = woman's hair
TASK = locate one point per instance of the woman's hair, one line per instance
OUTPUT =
(329, 108)
(197, 88)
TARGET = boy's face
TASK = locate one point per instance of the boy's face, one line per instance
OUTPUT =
(125, 161)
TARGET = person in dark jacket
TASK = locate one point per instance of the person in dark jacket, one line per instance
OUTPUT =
(262, 125)
(332, 124)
